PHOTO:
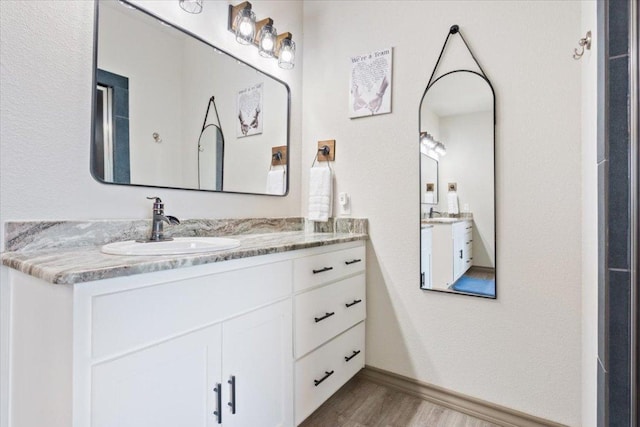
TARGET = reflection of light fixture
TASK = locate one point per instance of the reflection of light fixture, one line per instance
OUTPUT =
(287, 54)
(242, 22)
(434, 149)
(191, 6)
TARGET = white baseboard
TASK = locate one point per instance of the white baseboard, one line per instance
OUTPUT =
(459, 402)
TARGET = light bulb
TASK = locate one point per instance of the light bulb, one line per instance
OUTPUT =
(267, 41)
(287, 54)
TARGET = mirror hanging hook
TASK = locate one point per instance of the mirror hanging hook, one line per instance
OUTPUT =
(584, 43)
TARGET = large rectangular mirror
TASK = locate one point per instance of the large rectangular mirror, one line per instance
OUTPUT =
(173, 111)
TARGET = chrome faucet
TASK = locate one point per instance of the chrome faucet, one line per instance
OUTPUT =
(159, 218)
(431, 212)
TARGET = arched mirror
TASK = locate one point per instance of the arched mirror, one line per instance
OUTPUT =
(457, 181)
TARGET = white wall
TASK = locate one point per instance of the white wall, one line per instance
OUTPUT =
(523, 350)
(46, 55)
(589, 67)
(148, 68)
(469, 164)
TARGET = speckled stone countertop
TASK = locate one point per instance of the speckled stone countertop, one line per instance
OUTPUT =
(60, 263)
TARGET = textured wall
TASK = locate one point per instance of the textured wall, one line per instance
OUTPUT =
(522, 350)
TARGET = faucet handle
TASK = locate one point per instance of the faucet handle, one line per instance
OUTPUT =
(158, 206)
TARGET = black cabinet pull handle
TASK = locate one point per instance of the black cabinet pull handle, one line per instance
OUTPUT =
(322, 270)
(232, 404)
(353, 261)
(218, 413)
(318, 319)
(355, 301)
(460, 253)
(327, 375)
(355, 353)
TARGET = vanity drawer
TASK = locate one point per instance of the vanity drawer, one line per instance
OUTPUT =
(337, 361)
(322, 268)
(323, 313)
(127, 320)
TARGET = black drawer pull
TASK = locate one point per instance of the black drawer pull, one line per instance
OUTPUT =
(327, 375)
(353, 261)
(218, 412)
(355, 301)
(232, 403)
(322, 270)
(318, 319)
(460, 253)
(355, 353)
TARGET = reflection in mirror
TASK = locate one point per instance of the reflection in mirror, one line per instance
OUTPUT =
(173, 111)
(458, 228)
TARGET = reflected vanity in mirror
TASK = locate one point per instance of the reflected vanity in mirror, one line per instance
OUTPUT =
(457, 180)
(173, 111)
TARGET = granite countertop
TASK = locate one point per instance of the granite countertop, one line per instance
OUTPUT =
(84, 263)
(444, 220)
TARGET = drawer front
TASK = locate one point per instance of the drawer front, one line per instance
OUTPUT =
(322, 268)
(127, 320)
(336, 362)
(323, 313)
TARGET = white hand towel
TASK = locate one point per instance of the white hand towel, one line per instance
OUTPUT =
(428, 197)
(276, 181)
(452, 202)
(320, 193)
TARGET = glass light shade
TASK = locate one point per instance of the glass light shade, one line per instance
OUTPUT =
(431, 153)
(428, 141)
(191, 6)
(245, 26)
(287, 55)
(267, 41)
(440, 149)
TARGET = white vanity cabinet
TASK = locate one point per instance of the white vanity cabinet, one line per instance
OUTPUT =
(329, 313)
(462, 248)
(210, 345)
(426, 249)
(452, 252)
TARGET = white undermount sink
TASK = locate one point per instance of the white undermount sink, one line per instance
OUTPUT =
(177, 246)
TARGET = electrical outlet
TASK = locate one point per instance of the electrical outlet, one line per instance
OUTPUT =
(344, 202)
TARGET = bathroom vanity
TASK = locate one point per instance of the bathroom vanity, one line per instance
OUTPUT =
(451, 252)
(259, 340)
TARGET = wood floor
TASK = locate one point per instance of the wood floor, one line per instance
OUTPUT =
(362, 403)
(481, 273)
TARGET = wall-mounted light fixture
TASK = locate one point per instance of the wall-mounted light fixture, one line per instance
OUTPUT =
(191, 6)
(434, 149)
(262, 34)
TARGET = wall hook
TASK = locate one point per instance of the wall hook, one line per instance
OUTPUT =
(585, 43)
(156, 137)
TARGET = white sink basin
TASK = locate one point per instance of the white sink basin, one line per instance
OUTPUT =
(177, 246)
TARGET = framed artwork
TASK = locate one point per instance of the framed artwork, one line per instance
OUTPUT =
(370, 83)
(250, 111)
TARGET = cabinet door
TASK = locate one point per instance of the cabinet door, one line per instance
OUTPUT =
(425, 262)
(257, 368)
(166, 385)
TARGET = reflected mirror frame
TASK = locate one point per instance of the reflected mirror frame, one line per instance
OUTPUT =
(94, 82)
(495, 213)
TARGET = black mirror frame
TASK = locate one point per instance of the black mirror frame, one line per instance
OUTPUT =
(93, 104)
(455, 30)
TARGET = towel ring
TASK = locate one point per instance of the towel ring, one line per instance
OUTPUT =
(277, 156)
(325, 150)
